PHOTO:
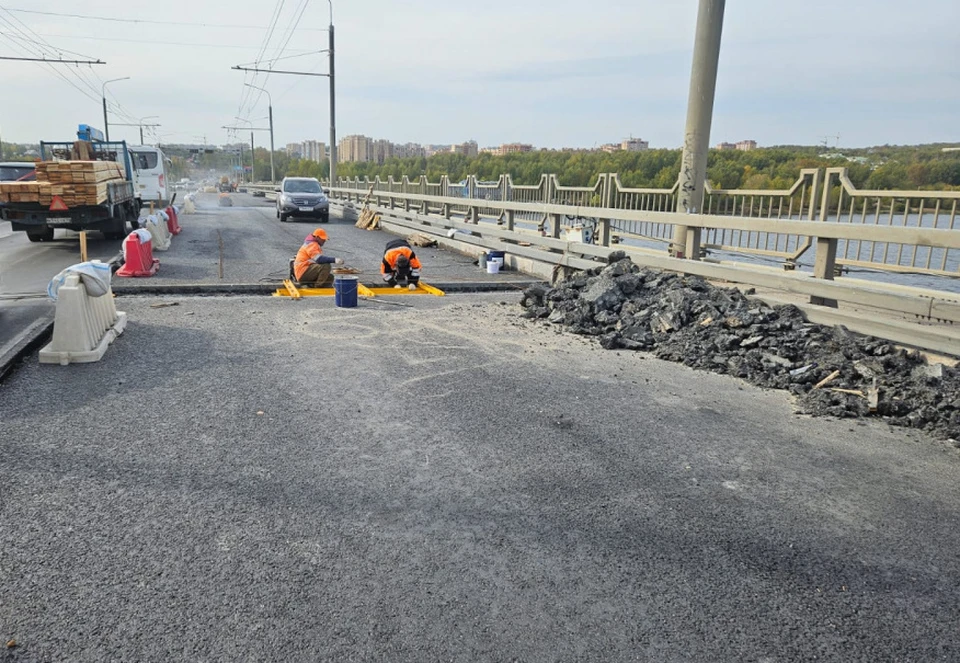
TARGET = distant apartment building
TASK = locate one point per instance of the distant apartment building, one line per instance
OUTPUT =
(512, 148)
(382, 150)
(430, 150)
(490, 150)
(356, 148)
(313, 150)
(294, 150)
(743, 145)
(468, 149)
(634, 145)
(408, 150)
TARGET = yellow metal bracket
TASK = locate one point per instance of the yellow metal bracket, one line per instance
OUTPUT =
(430, 289)
(290, 289)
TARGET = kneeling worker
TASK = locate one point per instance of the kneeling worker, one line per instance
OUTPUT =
(400, 265)
(311, 267)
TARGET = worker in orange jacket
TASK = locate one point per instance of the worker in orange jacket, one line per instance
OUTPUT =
(400, 265)
(310, 265)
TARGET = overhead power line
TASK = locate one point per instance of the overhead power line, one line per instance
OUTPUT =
(6, 57)
(88, 17)
(142, 42)
(290, 31)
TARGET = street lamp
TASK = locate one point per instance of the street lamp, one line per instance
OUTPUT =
(273, 174)
(148, 117)
(253, 156)
(103, 95)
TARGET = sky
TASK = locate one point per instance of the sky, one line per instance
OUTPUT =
(553, 73)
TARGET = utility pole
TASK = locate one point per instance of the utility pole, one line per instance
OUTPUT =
(696, 137)
(273, 172)
(253, 155)
(333, 93)
(333, 109)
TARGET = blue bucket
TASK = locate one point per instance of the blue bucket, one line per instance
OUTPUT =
(497, 256)
(345, 290)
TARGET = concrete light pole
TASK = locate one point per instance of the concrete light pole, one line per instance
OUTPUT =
(333, 109)
(696, 136)
(273, 172)
(103, 96)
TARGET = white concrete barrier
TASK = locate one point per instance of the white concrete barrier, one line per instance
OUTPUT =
(83, 326)
(159, 233)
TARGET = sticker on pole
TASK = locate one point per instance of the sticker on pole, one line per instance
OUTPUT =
(57, 205)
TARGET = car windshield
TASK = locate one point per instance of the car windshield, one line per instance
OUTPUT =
(301, 186)
(14, 173)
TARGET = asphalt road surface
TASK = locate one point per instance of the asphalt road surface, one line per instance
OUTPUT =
(259, 479)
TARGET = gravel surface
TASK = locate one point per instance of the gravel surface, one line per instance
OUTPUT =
(685, 319)
(261, 479)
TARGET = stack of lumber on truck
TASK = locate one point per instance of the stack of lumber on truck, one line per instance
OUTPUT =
(19, 192)
(76, 182)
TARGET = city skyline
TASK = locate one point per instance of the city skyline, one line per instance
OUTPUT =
(783, 78)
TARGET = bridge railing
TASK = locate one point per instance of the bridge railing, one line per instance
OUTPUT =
(871, 209)
(816, 196)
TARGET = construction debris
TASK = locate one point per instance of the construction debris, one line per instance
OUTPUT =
(419, 239)
(368, 219)
(686, 319)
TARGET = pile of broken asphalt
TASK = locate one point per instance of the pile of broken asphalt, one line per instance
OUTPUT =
(831, 371)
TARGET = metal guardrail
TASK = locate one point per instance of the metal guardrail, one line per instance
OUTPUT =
(816, 196)
(805, 229)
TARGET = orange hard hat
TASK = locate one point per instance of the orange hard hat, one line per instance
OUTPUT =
(321, 234)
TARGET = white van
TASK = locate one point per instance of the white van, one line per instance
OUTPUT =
(150, 174)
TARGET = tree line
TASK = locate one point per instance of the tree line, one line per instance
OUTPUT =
(887, 167)
(925, 167)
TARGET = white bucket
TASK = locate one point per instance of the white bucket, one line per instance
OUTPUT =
(493, 267)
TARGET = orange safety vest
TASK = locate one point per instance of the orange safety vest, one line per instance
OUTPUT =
(305, 256)
(389, 262)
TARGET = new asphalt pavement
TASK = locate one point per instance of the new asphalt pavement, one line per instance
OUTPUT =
(250, 478)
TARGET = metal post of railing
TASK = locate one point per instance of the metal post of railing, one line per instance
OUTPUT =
(606, 200)
(825, 261)
(696, 136)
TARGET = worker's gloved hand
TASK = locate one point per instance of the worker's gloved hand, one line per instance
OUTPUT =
(412, 286)
(338, 261)
(398, 287)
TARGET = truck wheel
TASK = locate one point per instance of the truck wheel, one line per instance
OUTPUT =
(44, 235)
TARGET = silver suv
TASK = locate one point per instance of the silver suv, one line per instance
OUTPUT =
(302, 196)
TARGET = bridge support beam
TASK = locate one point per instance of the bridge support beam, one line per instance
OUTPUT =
(696, 136)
